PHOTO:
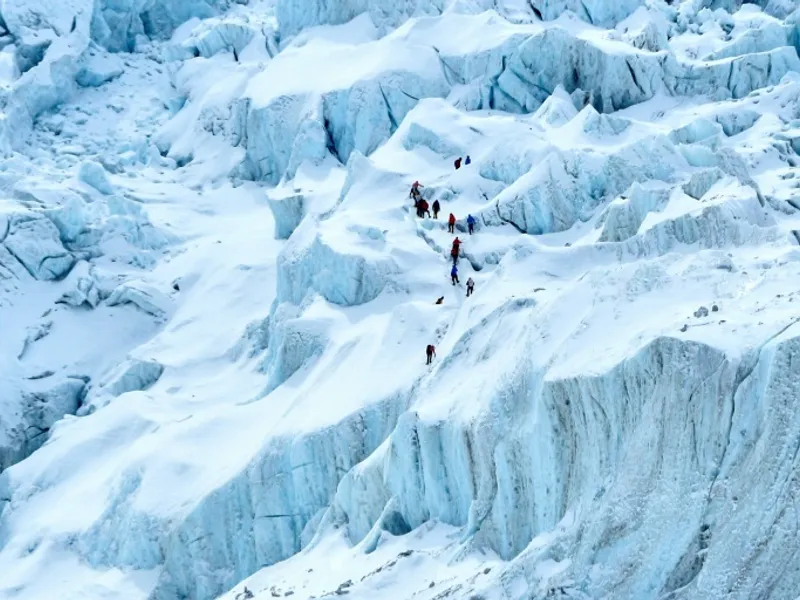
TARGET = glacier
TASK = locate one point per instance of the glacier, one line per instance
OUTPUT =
(215, 297)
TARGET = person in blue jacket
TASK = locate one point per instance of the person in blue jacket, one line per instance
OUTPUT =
(468, 160)
(470, 223)
(454, 274)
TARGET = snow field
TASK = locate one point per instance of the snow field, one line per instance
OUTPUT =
(609, 415)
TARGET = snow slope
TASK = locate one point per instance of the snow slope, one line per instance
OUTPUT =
(215, 297)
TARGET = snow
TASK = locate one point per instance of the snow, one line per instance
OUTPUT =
(215, 298)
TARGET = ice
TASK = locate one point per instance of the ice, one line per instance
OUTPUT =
(702, 131)
(94, 175)
(626, 214)
(212, 368)
(216, 36)
(701, 181)
(361, 107)
(33, 240)
(770, 36)
(564, 188)
(71, 217)
(97, 68)
(42, 22)
(293, 15)
(336, 270)
(288, 211)
(9, 71)
(646, 30)
(142, 295)
(597, 12)
(117, 23)
(558, 109)
(26, 421)
(42, 87)
(133, 375)
(83, 287)
(735, 122)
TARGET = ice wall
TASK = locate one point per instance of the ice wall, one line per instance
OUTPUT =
(566, 188)
(26, 416)
(361, 111)
(116, 24)
(587, 444)
(295, 15)
(31, 240)
(258, 518)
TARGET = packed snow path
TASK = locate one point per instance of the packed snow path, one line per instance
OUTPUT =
(215, 299)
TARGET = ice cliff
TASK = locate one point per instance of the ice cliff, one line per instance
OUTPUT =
(215, 298)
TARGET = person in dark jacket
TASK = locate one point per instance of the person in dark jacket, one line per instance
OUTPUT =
(430, 352)
(423, 208)
(436, 208)
(470, 223)
(451, 224)
(454, 274)
(440, 300)
(457, 163)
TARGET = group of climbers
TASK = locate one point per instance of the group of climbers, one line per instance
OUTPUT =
(423, 208)
(457, 163)
(421, 205)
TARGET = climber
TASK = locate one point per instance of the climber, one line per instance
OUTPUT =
(423, 208)
(430, 352)
(457, 164)
(454, 250)
(436, 208)
(470, 223)
(470, 287)
(451, 224)
(415, 193)
(454, 274)
(467, 160)
(440, 300)
(417, 204)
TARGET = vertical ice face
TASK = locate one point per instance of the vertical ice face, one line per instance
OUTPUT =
(28, 416)
(294, 16)
(116, 24)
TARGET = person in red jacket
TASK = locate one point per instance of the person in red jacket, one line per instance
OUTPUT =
(451, 224)
(455, 249)
(430, 352)
(424, 208)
